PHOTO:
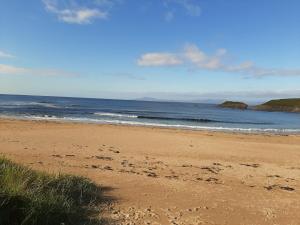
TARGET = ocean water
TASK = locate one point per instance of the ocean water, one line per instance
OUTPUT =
(196, 116)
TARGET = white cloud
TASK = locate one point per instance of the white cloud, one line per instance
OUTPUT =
(191, 7)
(81, 16)
(169, 16)
(5, 55)
(158, 59)
(85, 12)
(197, 58)
(13, 70)
(74, 13)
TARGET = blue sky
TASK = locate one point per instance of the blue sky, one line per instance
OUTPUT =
(168, 49)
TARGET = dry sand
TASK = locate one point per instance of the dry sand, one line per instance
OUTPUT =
(164, 176)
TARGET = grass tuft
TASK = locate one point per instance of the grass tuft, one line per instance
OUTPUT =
(37, 198)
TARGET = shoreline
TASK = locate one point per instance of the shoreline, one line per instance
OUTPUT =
(249, 131)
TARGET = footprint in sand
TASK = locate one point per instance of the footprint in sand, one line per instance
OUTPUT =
(276, 186)
(107, 158)
(150, 173)
(185, 165)
(211, 169)
(172, 177)
(289, 179)
(107, 168)
(212, 179)
(274, 176)
(254, 165)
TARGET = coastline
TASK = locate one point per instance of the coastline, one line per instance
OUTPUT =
(230, 130)
(168, 175)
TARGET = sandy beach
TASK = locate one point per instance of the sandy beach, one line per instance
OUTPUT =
(168, 176)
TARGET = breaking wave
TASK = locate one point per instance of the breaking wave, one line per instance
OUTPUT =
(163, 125)
(115, 115)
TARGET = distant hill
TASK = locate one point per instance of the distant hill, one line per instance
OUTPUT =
(282, 105)
(148, 99)
(234, 105)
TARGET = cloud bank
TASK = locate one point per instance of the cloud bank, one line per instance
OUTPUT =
(13, 70)
(72, 12)
(85, 12)
(193, 57)
(5, 55)
(159, 59)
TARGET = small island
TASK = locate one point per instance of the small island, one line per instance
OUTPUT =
(281, 105)
(234, 105)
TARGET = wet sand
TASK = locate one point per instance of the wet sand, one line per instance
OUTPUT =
(168, 176)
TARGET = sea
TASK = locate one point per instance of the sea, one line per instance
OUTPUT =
(180, 115)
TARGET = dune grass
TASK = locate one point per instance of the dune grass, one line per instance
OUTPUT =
(37, 198)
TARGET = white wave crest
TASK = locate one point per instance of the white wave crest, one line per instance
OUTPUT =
(116, 115)
(177, 126)
(16, 104)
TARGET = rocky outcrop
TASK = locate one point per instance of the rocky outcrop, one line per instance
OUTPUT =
(234, 105)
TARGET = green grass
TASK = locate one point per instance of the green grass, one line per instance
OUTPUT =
(36, 198)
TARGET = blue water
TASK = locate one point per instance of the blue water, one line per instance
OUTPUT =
(165, 114)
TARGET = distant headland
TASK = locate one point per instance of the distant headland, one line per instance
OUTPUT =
(276, 105)
(282, 105)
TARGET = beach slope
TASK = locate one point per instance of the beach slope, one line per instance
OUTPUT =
(168, 176)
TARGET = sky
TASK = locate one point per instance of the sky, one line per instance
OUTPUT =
(188, 50)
